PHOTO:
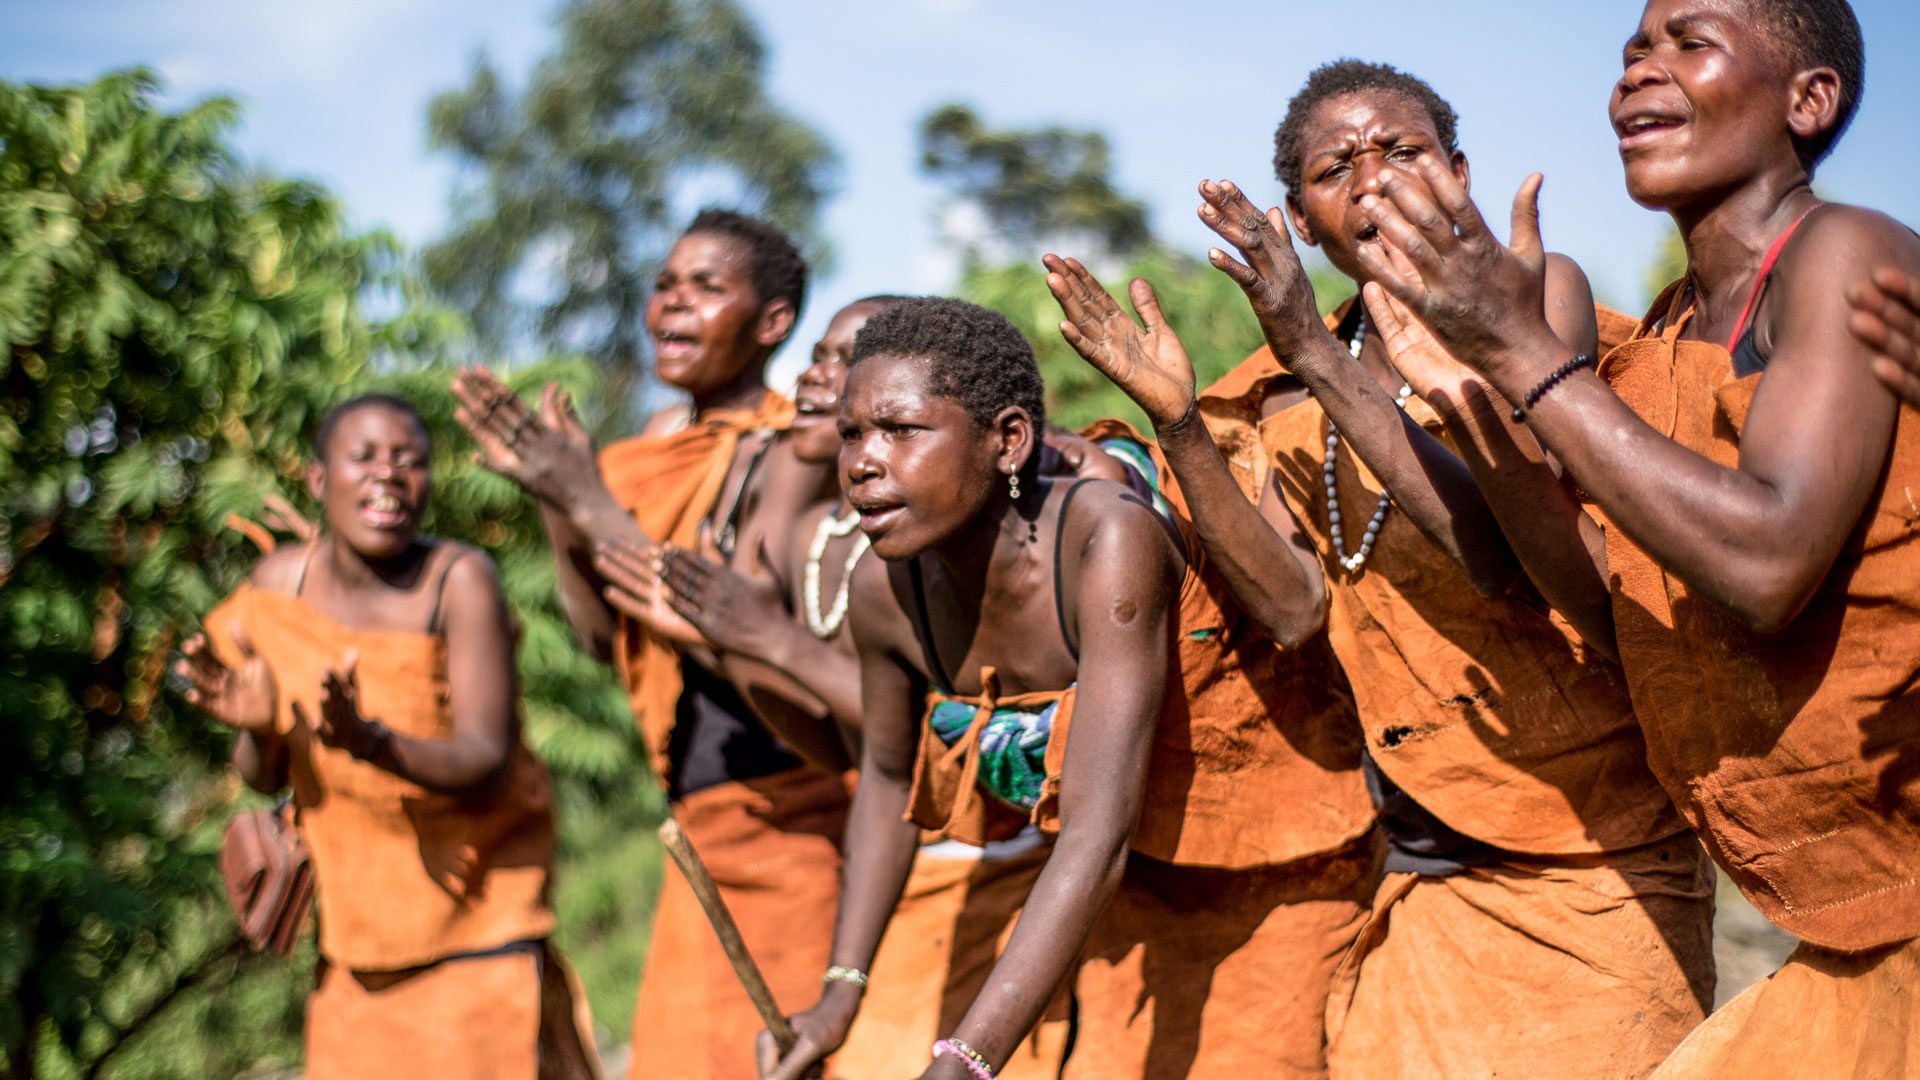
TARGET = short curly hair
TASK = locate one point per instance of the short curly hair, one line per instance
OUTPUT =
(331, 421)
(979, 359)
(1819, 33)
(1349, 76)
(774, 265)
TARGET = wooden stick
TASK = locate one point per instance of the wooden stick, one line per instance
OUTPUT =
(708, 894)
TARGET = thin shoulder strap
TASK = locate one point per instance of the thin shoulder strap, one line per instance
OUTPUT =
(923, 628)
(440, 588)
(306, 560)
(1059, 542)
(1766, 275)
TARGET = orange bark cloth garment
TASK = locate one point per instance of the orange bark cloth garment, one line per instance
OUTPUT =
(954, 918)
(670, 484)
(1824, 1013)
(516, 1015)
(1592, 966)
(1208, 973)
(1257, 762)
(1489, 711)
(772, 845)
(1792, 754)
(403, 876)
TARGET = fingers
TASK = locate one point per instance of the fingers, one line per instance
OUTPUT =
(799, 1062)
(1458, 216)
(1525, 237)
(1146, 304)
(625, 565)
(282, 516)
(1242, 276)
(1381, 309)
(688, 575)
(1401, 284)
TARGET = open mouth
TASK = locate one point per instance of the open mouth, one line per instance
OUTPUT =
(384, 510)
(877, 518)
(669, 344)
(1368, 234)
(815, 406)
(1643, 128)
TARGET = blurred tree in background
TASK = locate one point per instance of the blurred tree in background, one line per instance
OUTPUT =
(574, 180)
(174, 326)
(1051, 189)
(1034, 190)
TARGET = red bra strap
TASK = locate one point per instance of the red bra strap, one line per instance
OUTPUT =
(1766, 271)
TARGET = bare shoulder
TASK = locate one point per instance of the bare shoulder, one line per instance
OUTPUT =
(665, 422)
(1110, 525)
(279, 570)
(1836, 235)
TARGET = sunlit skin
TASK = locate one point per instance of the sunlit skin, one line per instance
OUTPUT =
(931, 485)
(372, 570)
(1708, 112)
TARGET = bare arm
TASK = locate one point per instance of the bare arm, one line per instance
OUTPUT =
(1756, 539)
(1561, 547)
(1128, 577)
(880, 842)
(1266, 560)
(1429, 483)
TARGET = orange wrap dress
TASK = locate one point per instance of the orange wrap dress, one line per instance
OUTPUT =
(772, 843)
(433, 908)
(1251, 864)
(1793, 754)
(1589, 903)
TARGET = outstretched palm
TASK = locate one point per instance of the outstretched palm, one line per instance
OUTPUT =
(1148, 362)
(1272, 277)
(547, 453)
(1435, 375)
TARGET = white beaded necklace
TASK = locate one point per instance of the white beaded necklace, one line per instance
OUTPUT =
(825, 625)
(1354, 562)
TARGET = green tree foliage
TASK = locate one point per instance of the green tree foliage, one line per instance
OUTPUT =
(575, 176)
(1049, 186)
(174, 326)
(1206, 308)
(155, 301)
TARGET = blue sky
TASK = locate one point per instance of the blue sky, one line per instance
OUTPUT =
(336, 90)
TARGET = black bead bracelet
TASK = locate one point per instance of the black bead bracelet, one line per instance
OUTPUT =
(1584, 360)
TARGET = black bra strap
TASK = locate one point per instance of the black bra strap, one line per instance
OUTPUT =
(440, 589)
(923, 629)
(1059, 541)
(306, 560)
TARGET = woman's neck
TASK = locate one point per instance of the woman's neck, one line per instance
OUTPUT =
(1001, 541)
(1727, 239)
(352, 571)
(745, 392)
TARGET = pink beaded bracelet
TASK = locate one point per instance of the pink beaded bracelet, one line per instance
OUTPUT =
(974, 1060)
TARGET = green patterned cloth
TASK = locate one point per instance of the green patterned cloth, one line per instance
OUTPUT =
(1013, 747)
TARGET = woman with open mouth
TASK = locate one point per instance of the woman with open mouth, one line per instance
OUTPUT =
(371, 669)
(1003, 608)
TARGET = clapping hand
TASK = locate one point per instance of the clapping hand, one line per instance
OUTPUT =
(1440, 380)
(244, 697)
(547, 454)
(1272, 277)
(732, 611)
(635, 587)
(1148, 362)
(341, 724)
(1484, 300)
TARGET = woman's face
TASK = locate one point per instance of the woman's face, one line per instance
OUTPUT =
(817, 398)
(1694, 107)
(373, 480)
(916, 467)
(704, 314)
(1350, 143)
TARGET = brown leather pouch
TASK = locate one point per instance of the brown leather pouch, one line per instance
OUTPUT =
(268, 876)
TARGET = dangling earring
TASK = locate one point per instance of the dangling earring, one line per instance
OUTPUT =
(1013, 486)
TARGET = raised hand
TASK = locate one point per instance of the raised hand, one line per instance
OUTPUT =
(547, 454)
(244, 698)
(1149, 363)
(341, 724)
(1886, 318)
(636, 588)
(1438, 378)
(1272, 277)
(281, 516)
(732, 611)
(1483, 299)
